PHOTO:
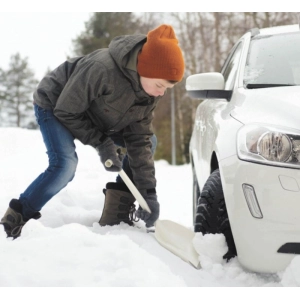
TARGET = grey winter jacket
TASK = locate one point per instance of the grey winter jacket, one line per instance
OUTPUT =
(100, 94)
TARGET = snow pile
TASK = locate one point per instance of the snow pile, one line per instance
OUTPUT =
(73, 255)
(211, 248)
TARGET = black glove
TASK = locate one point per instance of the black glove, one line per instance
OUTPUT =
(108, 150)
(148, 218)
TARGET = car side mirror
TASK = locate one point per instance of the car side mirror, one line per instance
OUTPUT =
(207, 86)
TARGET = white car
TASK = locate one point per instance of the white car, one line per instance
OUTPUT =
(245, 149)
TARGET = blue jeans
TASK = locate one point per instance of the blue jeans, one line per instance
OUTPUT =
(63, 161)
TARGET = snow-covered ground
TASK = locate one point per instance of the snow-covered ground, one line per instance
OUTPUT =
(68, 248)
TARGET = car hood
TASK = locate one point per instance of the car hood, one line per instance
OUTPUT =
(279, 106)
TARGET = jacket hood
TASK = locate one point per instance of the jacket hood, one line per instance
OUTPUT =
(124, 49)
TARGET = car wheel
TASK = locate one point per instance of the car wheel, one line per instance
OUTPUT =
(196, 195)
(211, 214)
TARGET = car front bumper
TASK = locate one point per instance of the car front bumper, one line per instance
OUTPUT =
(277, 190)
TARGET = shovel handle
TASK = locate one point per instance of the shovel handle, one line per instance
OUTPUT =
(139, 198)
(108, 163)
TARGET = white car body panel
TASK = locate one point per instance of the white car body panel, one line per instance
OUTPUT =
(279, 106)
(257, 240)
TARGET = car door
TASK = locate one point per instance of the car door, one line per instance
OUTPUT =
(209, 118)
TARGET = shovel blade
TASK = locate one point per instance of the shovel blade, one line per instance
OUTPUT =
(177, 239)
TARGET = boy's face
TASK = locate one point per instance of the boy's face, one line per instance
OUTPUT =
(155, 87)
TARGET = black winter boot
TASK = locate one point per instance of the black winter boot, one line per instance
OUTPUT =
(118, 206)
(13, 220)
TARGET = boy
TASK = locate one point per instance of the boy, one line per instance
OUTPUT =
(105, 100)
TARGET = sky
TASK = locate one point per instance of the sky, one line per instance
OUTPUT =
(66, 247)
(45, 38)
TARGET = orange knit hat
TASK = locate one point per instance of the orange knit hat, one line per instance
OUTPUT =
(161, 56)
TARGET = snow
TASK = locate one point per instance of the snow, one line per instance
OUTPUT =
(68, 248)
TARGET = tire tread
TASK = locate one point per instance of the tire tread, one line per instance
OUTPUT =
(211, 213)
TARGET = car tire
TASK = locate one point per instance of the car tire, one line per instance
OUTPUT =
(211, 214)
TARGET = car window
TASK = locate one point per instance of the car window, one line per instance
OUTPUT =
(231, 68)
(273, 59)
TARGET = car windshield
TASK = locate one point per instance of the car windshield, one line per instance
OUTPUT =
(273, 60)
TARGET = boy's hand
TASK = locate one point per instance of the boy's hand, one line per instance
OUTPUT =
(109, 151)
(153, 204)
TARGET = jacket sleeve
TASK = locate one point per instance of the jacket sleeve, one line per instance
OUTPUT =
(137, 139)
(82, 88)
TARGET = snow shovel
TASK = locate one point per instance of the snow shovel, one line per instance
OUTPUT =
(172, 236)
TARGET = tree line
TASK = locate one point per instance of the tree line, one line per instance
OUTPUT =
(205, 38)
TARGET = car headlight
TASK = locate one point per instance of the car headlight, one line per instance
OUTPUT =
(268, 144)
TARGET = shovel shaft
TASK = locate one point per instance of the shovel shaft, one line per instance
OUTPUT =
(139, 198)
